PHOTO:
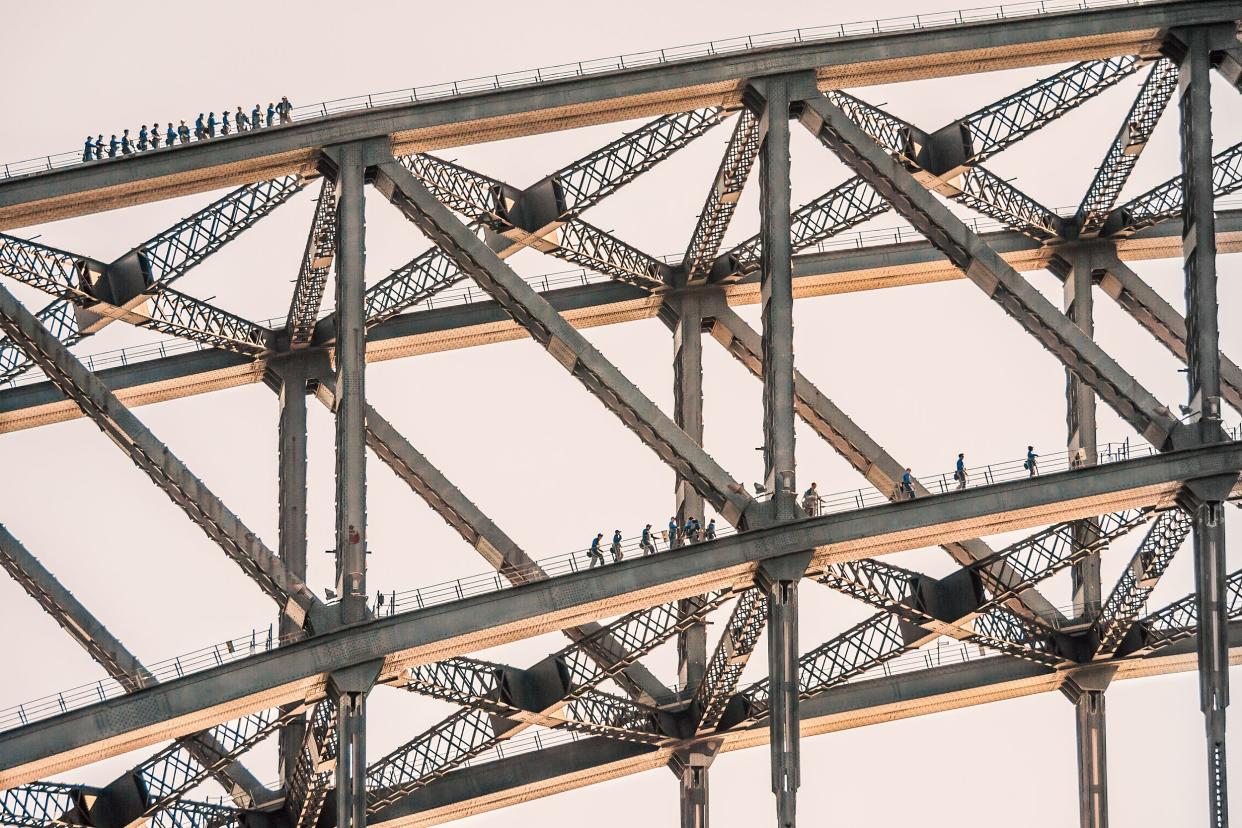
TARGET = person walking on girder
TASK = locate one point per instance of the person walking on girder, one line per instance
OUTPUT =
(907, 484)
(88, 149)
(271, 112)
(243, 123)
(595, 553)
(1031, 463)
(211, 125)
(200, 130)
(810, 500)
(126, 146)
(617, 555)
(709, 533)
(959, 473)
(647, 544)
(286, 110)
(112, 145)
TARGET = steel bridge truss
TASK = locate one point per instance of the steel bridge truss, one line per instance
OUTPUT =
(594, 702)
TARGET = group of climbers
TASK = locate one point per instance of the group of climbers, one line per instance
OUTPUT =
(676, 535)
(205, 128)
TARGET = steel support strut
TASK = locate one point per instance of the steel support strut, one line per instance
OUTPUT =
(1164, 322)
(350, 396)
(292, 524)
(776, 297)
(691, 767)
(688, 414)
(1085, 575)
(1080, 422)
(172, 476)
(204, 747)
(1191, 49)
(563, 342)
(989, 271)
(778, 579)
(1092, 760)
(691, 770)
(349, 688)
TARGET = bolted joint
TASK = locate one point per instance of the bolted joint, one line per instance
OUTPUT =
(370, 153)
(1205, 429)
(1219, 39)
(799, 86)
(1095, 255)
(538, 687)
(947, 599)
(943, 153)
(737, 710)
(120, 804)
(120, 284)
(1079, 647)
(1086, 680)
(782, 570)
(1207, 493)
(538, 206)
(696, 759)
(356, 680)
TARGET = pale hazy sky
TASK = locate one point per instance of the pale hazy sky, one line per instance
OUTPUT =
(929, 371)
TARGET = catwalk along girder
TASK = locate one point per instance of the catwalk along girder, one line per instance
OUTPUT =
(330, 657)
(297, 672)
(671, 86)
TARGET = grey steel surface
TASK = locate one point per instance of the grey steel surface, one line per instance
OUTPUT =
(628, 93)
(866, 268)
(332, 662)
(297, 671)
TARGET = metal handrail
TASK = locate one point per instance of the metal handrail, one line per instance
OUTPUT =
(553, 74)
(395, 601)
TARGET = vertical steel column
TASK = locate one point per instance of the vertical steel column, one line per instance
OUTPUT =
(350, 687)
(1203, 361)
(1090, 722)
(1209, 535)
(292, 504)
(779, 580)
(688, 414)
(350, 395)
(776, 295)
(691, 770)
(351, 761)
(1080, 425)
(1089, 719)
(1092, 760)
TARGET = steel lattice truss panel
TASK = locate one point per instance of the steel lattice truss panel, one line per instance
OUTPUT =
(593, 709)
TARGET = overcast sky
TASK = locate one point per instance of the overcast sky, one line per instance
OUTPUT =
(929, 371)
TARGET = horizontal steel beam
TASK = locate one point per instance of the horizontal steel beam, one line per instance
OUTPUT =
(844, 270)
(298, 672)
(652, 89)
